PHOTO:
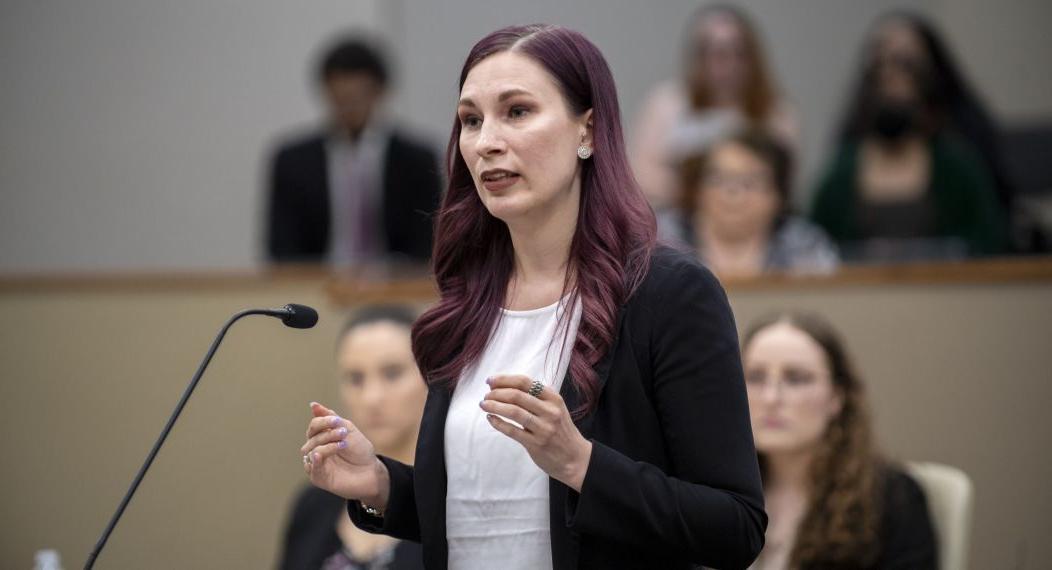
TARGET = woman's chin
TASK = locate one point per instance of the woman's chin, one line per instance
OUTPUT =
(507, 209)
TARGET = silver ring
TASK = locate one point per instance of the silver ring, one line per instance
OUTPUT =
(307, 460)
(536, 388)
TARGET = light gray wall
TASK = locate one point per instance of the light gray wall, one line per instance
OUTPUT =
(133, 132)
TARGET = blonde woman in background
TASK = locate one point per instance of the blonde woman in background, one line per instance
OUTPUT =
(726, 86)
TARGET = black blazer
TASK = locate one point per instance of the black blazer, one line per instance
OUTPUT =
(299, 210)
(310, 537)
(673, 479)
(907, 535)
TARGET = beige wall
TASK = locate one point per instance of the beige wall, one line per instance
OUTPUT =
(958, 374)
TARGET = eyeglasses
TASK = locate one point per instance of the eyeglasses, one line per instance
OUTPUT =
(737, 182)
(789, 383)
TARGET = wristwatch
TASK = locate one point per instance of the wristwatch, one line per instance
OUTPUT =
(371, 511)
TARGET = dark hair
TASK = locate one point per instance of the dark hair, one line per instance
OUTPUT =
(759, 97)
(757, 141)
(353, 55)
(397, 314)
(954, 102)
(840, 526)
(473, 256)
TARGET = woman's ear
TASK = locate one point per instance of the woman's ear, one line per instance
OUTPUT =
(836, 403)
(586, 128)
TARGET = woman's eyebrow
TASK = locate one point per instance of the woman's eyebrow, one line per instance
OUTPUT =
(468, 102)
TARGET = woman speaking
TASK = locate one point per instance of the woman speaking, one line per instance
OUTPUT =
(585, 407)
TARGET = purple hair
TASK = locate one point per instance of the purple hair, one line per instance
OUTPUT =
(473, 258)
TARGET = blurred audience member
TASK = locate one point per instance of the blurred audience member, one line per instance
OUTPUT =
(911, 178)
(358, 190)
(735, 200)
(832, 501)
(726, 86)
(912, 38)
(383, 393)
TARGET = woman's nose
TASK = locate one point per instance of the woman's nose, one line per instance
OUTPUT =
(772, 391)
(490, 141)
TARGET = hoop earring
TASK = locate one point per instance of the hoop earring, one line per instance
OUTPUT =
(584, 153)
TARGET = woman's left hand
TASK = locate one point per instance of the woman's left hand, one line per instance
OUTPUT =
(548, 432)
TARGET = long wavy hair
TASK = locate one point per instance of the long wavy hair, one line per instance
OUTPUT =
(473, 259)
(951, 97)
(760, 93)
(842, 520)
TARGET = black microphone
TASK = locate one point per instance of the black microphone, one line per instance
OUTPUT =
(293, 315)
(296, 316)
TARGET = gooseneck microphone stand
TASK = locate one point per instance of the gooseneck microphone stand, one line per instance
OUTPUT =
(296, 316)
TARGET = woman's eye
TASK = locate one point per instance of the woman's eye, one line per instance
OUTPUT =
(795, 378)
(354, 379)
(392, 373)
(518, 112)
(470, 122)
(754, 377)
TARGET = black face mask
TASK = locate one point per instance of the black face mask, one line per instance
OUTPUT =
(893, 120)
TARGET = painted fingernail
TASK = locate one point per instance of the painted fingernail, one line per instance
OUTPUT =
(342, 431)
(481, 402)
(312, 404)
(342, 444)
(489, 380)
(335, 421)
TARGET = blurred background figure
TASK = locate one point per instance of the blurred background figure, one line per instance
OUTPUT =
(726, 86)
(357, 190)
(833, 501)
(918, 173)
(735, 211)
(382, 391)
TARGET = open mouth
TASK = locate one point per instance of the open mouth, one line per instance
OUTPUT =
(497, 175)
(498, 179)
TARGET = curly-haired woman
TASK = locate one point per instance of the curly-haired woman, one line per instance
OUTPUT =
(833, 501)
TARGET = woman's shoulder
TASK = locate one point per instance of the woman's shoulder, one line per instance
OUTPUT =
(905, 504)
(673, 273)
(900, 485)
(907, 530)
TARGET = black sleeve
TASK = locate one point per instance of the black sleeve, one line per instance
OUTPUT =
(908, 538)
(400, 519)
(282, 232)
(711, 506)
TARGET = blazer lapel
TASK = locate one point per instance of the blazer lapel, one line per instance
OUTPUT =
(566, 544)
(429, 478)
(602, 371)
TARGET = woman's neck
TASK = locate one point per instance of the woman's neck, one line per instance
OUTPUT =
(542, 253)
(731, 254)
(788, 471)
(402, 453)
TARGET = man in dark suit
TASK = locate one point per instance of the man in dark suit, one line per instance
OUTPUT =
(356, 191)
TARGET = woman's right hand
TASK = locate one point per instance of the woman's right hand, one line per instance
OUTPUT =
(339, 459)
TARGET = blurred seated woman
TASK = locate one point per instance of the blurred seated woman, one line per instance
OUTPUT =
(726, 86)
(910, 180)
(833, 501)
(383, 393)
(735, 201)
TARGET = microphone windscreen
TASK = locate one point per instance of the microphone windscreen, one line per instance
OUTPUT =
(300, 316)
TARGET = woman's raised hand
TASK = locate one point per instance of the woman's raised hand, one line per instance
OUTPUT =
(548, 432)
(339, 459)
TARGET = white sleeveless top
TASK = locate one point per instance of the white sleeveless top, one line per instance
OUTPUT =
(497, 513)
